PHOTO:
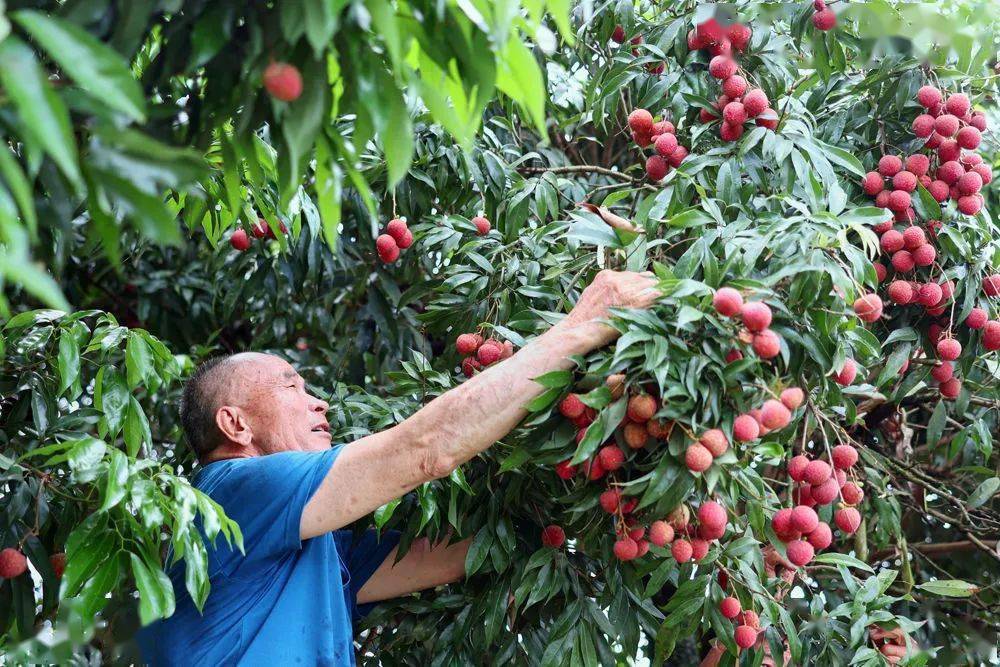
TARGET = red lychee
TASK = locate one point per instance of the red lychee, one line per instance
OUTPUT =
(727, 301)
(712, 515)
(565, 470)
(756, 316)
(824, 20)
(844, 457)
(387, 249)
(745, 428)
(950, 388)
(641, 407)
(722, 67)
(283, 81)
(948, 349)
(847, 373)
(821, 537)
(851, 493)
(611, 457)
(553, 536)
(847, 519)
(12, 563)
(817, 472)
(681, 550)
(715, 441)
(797, 467)
(641, 121)
(799, 552)
(890, 165)
(774, 415)
(697, 458)
(868, 307)
(626, 549)
(239, 240)
(661, 533)
(730, 607)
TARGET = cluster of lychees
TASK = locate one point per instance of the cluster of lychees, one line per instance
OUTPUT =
(479, 353)
(397, 237)
(819, 484)
(950, 170)
(718, 39)
(823, 17)
(668, 152)
(736, 103)
(756, 316)
(240, 240)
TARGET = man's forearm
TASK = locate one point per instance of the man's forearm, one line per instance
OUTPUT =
(463, 422)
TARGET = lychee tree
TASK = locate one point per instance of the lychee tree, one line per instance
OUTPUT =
(783, 455)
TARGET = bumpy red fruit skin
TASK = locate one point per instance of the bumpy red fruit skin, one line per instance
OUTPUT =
(12, 563)
(766, 344)
(641, 121)
(677, 157)
(792, 397)
(968, 137)
(756, 316)
(468, 343)
(734, 113)
(734, 86)
(900, 292)
(739, 36)
(697, 458)
(641, 407)
(844, 457)
(991, 285)
(610, 500)
(618, 35)
(239, 240)
(847, 373)
(905, 181)
(774, 415)
(470, 365)
(880, 271)
(946, 125)
(991, 335)
(387, 249)
(976, 319)
(969, 183)
(283, 81)
(396, 228)
(824, 20)
(730, 607)
(626, 549)
(745, 428)
(665, 144)
(681, 551)
(892, 241)
(851, 493)
(260, 228)
(565, 470)
(715, 441)
(928, 96)
(918, 164)
(727, 301)
(899, 200)
(781, 523)
(800, 552)
(821, 537)
(661, 533)
(656, 168)
(817, 472)
(699, 548)
(570, 407)
(847, 519)
(929, 295)
(950, 388)
(488, 354)
(636, 435)
(868, 307)
(924, 255)
(825, 493)
(948, 349)
(745, 636)
(890, 165)
(483, 225)
(970, 204)
(923, 126)
(938, 190)
(872, 183)
(612, 458)
(804, 519)
(712, 514)
(553, 536)
(978, 121)
(958, 104)
(797, 467)
(722, 67)
(913, 237)
(902, 261)
(730, 131)
(943, 371)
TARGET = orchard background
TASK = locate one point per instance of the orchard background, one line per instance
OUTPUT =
(142, 153)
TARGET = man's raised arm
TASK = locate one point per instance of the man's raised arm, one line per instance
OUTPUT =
(468, 419)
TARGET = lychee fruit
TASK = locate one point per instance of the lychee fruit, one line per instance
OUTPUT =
(681, 550)
(722, 67)
(924, 255)
(468, 343)
(923, 126)
(715, 441)
(756, 316)
(844, 457)
(847, 519)
(950, 388)
(611, 457)
(656, 167)
(697, 458)
(565, 470)
(12, 563)
(626, 549)
(283, 81)
(730, 607)
(797, 467)
(387, 249)
(734, 86)
(661, 533)
(799, 552)
(968, 137)
(553, 536)
(610, 500)
(635, 435)
(727, 301)
(851, 493)
(958, 104)
(890, 165)
(488, 353)
(712, 515)
(239, 240)
(817, 472)
(821, 537)
(774, 415)
(745, 428)
(483, 225)
(868, 307)
(665, 144)
(804, 519)
(976, 318)
(849, 371)
(641, 407)
(824, 20)
(641, 121)
(948, 349)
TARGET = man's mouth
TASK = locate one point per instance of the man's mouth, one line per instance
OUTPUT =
(325, 428)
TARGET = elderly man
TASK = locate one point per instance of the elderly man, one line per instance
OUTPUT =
(266, 457)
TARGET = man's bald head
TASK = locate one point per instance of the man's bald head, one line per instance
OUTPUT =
(249, 392)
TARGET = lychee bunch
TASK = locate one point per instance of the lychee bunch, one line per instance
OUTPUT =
(718, 39)
(737, 102)
(819, 483)
(240, 239)
(756, 317)
(396, 237)
(667, 150)
(479, 353)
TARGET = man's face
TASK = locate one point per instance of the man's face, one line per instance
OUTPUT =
(282, 415)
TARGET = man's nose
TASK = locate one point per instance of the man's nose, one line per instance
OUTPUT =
(319, 405)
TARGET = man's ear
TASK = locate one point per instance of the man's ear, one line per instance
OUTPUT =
(233, 425)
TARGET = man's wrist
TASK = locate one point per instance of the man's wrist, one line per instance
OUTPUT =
(572, 338)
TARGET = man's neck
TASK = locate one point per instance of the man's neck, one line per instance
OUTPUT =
(224, 452)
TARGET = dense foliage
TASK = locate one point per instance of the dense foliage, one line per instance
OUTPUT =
(137, 144)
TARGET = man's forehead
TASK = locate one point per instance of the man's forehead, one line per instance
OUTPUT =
(261, 366)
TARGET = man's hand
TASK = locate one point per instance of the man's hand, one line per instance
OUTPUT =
(463, 422)
(610, 289)
(893, 644)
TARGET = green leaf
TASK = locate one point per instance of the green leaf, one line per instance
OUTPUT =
(949, 588)
(136, 430)
(69, 359)
(520, 78)
(44, 119)
(936, 424)
(93, 596)
(843, 559)
(156, 593)
(842, 157)
(138, 360)
(555, 379)
(15, 179)
(478, 550)
(329, 188)
(984, 492)
(94, 66)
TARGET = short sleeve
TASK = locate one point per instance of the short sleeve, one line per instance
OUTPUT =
(265, 495)
(363, 554)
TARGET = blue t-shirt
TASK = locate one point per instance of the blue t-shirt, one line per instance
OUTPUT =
(285, 602)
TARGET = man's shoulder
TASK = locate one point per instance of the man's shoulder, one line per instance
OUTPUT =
(237, 470)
